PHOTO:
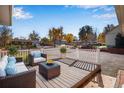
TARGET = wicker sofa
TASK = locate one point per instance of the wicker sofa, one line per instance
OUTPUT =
(34, 61)
(24, 79)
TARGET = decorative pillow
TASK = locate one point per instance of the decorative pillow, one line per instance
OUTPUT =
(11, 68)
(5, 60)
(12, 59)
(36, 54)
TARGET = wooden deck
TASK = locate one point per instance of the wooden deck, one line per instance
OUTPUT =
(70, 77)
(120, 79)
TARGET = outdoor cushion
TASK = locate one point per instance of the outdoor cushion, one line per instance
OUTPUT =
(36, 54)
(2, 69)
(5, 61)
(40, 59)
(12, 59)
(11, 68)
(2, 73)
(20, 67)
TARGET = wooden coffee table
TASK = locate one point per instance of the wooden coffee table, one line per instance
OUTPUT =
(49, 71)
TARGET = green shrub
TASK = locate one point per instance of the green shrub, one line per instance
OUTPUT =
(63, 49)
(12, 50)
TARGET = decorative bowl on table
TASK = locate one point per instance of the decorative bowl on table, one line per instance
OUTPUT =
(50, 62)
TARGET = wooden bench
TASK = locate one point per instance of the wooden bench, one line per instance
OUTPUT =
(120, 79)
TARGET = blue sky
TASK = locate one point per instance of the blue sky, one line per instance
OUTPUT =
(41, 18)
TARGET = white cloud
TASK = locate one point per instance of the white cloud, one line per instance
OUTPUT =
(104, 16)
(19, 13)
(66, 6)
(88, 6)
(82, 6)
(94, 7)
(106, 8)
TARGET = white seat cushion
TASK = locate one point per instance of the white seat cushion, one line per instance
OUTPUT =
(2, 69)
(40, 59)
(21, 67)
(3, 63)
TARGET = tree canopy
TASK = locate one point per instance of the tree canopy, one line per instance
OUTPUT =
(101, 38)
(45, 41)
(86, 33)
(69, 38)
(5, 36)
(56, 34)
(34, 36)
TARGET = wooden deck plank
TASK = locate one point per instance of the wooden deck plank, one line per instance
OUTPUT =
(63, 82)
(41, 84)
(59, 83)
(45, 81)
(37, 85)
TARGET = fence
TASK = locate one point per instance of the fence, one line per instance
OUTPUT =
(89, 55)
(21, 53)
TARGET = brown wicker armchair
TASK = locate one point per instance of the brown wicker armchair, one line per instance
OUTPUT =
(26, 79)
(32, 59)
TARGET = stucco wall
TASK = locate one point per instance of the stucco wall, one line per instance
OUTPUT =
(110, 37)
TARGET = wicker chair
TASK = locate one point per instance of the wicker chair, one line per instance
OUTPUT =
(26, 79)
(32, 61)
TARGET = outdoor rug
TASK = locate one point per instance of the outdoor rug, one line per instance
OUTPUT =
(67, 61)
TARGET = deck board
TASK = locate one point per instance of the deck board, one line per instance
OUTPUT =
(68, 77)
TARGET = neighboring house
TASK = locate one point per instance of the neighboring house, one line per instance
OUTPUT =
(110, 36)
(22, 43)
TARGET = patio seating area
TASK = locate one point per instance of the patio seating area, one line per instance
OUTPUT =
(22, 78)
(73, 72)
(70, 76)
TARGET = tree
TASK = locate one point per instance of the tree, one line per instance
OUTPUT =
(75, 38)
(86, 33)
(45, 41)
(69, 38)
(108, 28)
(56, 34)
(34, 36)
(5, 36)
(101, 38)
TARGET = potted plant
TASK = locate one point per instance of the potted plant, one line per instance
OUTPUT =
(63, 51)
(12, 50)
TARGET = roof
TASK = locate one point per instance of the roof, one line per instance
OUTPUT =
(113, 29)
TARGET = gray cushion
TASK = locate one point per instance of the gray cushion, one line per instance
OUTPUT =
(40, 59)
(21, 67)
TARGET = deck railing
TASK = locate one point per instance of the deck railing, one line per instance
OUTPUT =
(90, 55)
(21, 53)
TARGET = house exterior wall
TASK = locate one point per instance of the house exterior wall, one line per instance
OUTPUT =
(110, 37)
